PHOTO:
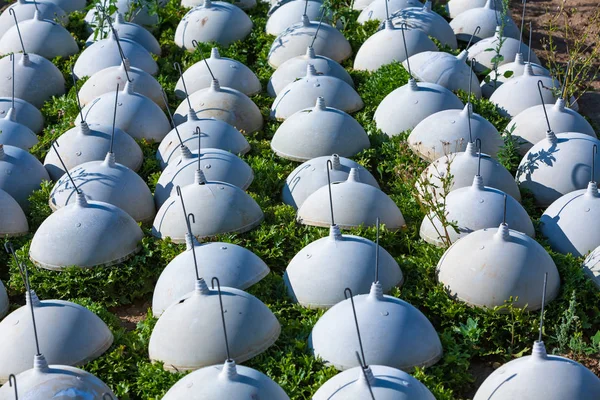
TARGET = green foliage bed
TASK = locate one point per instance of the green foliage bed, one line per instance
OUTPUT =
(473, 339)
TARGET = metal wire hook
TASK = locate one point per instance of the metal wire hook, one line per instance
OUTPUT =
(318, 28)
(77, 93)
(594, 152)
(330, 167)
(164, 95)
(189, 228)
(540, 85)
(504, 214)
(364, 371)
(377, 250)
(522, 25)
(187, 97)
(213, 280)
(107, 396)
(12, 382)
(112, 136)
(478, 145)
(12, 61)
(12, 12)
(542, 309)
(348, 295)
(404, 26)
(54, 146)
(475, 32)
(529, 50)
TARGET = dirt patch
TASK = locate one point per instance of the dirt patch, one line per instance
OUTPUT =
(131, 314)
(480, 370)
(590, 362)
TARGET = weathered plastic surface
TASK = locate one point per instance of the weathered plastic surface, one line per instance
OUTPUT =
(70, 236)
(295, 39)
(4, 304)
(387, 46)
(25, 10)
(447, 132)
(295, 68)
(520, 93)
(188, 335)
(12, 223)
(36, 79)
(463, 166)
(68, 333)
(213, 21)
(486, 18)
(354, 203)
(243, 4)
(229, 381)
(26, 113)
(386, 384)
(226, 104)
(445, 69)
(40, 36)
(529, 126)
(69, 5)
(488, 266)
(234, 265)
(108, 182)
(377, 9)
(287, 14)
(455, 7)
(312, 175)
(508, 71)
(394, 333)
(428, 21)
(20, 174)
(230, 73)
(217, 165)
(557, 165)
(591, 266)
(410, 104)
(231, 210)
(540, 376)
(106, 80)
(319, 131)
(571, 223)
(334, 263)
(130, 31)
(216, 134)
(303, 93)
(105, 53)
(90, 142)
(56, 382)
(136, 114)
(14, 133)
(508, 50)
(474, 208)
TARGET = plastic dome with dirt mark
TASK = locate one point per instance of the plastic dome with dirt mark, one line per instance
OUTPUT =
(486, 18)
(230, 73)
(319, 131)
(323, 38)
(295, 68)
(13, 221)
(303, 93)
(455, 7)
(387, 46)
(312, 175)
(213, 21)
(20, 174)
(490, 266)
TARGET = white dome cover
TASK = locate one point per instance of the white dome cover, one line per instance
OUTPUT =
(455, 7)
(188, 335)
(218, 208)
(13, 222)
(377, 9)
(474, 208)
(40, 36)
(295, 68)
(387, 46)
(557, 165)
(410, 104)
(529, 126)
(20, 174)
(571, 223)
(68, 333)
(26, 113)
(591, 266)
(319, 131)
(447, 132)
(296, 38)
(136, 114)
(234, 265)
(216, 134)
(312, 175)
(317, 275)
(463, 166)
(303, 93)
(13, 133)
(487, 267)
(69, 237)
(230, 73)
(226, 104)
(395, 333)
(540, 377)
(509, 50)
(213, 21)
(25, 10)
(285, 14)
(89, 142)
(130, 31)
(486, 18)
(108, 182)
(355, 204)
(506, 71)
(229, 381)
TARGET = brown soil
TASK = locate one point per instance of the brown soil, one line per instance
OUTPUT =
(131, 314)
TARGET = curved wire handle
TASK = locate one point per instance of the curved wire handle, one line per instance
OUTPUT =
(107, 396)
(348, 295)
(478, 145)
(377, 250)
(404, 26)
(364, 371)
(164, 96)
(543, 303)
(77, 93)
(522, 25)
(212, 282)
(112, 137)
(318, 29)
(330, 167)
(187, 96)
(594, 152)
(12, 382)
(188, 224)
(12, 61)
(540, 85)
(12, 12)
(54, 147)
(475, 32)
